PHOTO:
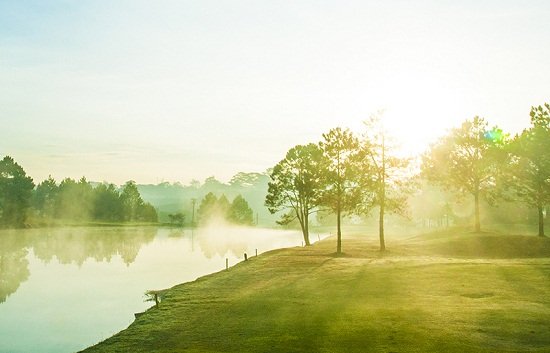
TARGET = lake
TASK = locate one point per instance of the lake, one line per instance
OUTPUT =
(64, 289)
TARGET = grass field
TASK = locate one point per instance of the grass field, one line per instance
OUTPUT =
(440, 292)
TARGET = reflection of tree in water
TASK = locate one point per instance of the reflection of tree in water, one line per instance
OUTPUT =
(76, 245)
(176, 233)
(14, 266)
(220, 241)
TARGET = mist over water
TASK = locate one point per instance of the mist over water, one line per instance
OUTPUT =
(64, 289)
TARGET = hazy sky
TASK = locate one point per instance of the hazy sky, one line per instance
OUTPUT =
(176, 90)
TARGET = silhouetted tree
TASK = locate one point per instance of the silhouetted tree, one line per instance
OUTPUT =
(529, 163)
(131, 201)
(74, 200)
(466, 161)
(177, 219)
(341, 191)
(15, 193)
(240, 212)
(384, 179)
(207, 207)
(148, 213)
(296, 185)
(45, 197)
(108, 205)
(222, 206)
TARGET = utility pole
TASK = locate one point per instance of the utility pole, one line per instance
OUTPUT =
(193, 201)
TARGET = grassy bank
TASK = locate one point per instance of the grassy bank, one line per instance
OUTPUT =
(456, 292)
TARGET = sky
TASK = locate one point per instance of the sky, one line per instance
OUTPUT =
(157, 91)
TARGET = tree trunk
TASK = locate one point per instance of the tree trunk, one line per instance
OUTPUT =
(541, 221)
(477, 223)
(339, 232)
(306, 229)
(382, 198)
(381, 227)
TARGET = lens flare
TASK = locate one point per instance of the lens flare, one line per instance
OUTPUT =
(494, 135)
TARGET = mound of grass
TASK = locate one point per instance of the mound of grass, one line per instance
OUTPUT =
(308, 300)
(484, 245)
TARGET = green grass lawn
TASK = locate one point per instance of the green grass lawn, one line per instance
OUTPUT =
(442, 292)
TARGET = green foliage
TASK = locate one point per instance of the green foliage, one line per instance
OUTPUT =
(212, 208)
(74, 200)
(530, 159)
(385, 178)
(170, 198)
(107, 204)
(79, 202)
(223, 205)
(15, 193)
(131, 201)
(240, 212)
(341, 191)
(208, 208)
(528, 165)
(44, 198)
(296, 185)
(341, 176)
(177, 219)
(466, 161)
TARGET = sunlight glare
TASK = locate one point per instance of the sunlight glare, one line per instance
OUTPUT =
(416, 109)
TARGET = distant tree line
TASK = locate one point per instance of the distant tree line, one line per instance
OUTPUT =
(80, 201)
(175, 201)
(69, 200)
(346, 174)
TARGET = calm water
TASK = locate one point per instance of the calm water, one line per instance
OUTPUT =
(62, 290)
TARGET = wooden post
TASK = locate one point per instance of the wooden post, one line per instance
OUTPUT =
(256, 252)
(245, 257)
(226, 263)
(156, 299)
(155, 295)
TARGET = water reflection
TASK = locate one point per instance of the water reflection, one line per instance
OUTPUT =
(14, 266)
(215, 241)
(76, 245)
(63, 289)
(67, 246)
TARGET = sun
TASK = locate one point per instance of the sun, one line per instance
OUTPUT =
(415, 109)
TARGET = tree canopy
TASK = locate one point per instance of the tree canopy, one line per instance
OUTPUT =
(15, 193)
(465, 161)
(385, 180)
(341, 188)
(212, 208)
(295, 185)
(528, 166)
